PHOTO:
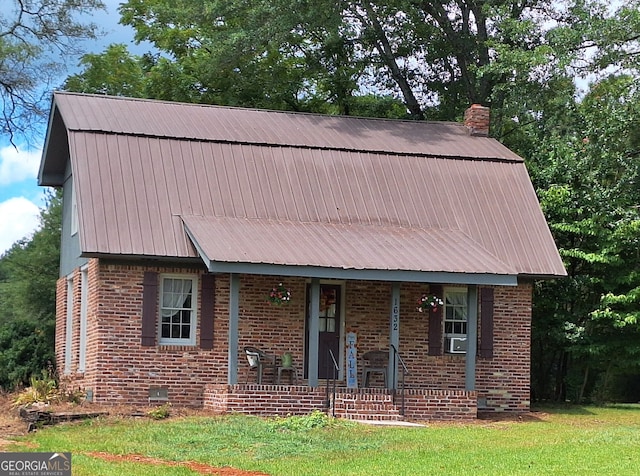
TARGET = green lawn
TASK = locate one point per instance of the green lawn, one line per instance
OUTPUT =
(561, 441)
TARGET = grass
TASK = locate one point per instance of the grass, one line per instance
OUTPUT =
(561, 441)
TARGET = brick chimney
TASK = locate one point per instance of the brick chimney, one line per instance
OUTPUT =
(476, 118)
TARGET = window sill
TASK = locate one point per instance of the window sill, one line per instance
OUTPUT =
(176, 348)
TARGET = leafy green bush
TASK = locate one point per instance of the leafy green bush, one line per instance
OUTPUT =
(25, 349)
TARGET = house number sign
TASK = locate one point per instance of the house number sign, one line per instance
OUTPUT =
(352, 360)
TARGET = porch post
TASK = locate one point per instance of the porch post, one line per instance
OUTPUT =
(394, 336)
(234, 312)
(472, 338)
(314, 333)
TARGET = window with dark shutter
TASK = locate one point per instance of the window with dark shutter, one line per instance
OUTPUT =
(435, 325)
(207, 311)
(486, 323)
(149, 308)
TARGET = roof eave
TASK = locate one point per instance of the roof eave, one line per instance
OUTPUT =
(364, 274)
(541, 277)
(55, 152)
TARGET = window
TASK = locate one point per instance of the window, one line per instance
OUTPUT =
(84, 296)
(68, 335)
(74, 212)
(455, 320)
(177, 310)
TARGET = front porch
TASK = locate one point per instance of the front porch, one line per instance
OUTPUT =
(420, 404)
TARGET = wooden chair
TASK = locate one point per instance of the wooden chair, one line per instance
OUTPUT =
(375, 361)
(259, 361)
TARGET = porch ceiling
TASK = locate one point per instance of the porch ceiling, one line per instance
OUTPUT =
(342, 250)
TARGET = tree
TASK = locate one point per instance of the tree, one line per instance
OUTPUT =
(437, 57)
(115, 72)
(28, 275)
(32, 34)
(586, 329)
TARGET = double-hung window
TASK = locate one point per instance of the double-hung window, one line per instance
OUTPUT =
(178, 310)
(455, 320)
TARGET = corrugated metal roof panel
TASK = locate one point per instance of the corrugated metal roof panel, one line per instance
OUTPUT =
(339, 245)
(83, 112)
(132, 191)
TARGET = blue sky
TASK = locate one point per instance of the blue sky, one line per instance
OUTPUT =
(20, 196)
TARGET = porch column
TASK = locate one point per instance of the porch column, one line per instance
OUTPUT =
(314, 333)
(234, 312)
(394, 336)
(472, 338)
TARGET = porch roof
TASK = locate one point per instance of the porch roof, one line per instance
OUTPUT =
(348, 250)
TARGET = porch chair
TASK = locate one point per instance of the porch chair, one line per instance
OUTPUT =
(374, 361)
(286, 365)
(259, 361)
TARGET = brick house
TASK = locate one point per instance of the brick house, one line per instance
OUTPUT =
(179, 219)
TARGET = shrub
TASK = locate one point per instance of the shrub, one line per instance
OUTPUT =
(161, 412)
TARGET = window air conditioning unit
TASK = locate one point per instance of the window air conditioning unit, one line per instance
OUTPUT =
(457, 345)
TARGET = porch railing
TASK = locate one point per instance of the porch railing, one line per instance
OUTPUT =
(405, 371)
(331, 402)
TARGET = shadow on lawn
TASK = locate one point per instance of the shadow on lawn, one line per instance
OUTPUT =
(507, 416)
(574, 409)
(561, 409)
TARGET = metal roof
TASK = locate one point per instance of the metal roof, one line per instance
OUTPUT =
(233, 185)
(257, 240)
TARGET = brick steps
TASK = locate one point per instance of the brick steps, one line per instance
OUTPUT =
(377, 407)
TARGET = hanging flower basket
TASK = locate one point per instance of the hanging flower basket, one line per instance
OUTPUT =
(429, 302)
(279, 295)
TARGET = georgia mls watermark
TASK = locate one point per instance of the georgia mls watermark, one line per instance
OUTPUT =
(35, 464)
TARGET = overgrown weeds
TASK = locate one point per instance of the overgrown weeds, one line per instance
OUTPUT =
(47, 389)
(161, 412)
(315, 419)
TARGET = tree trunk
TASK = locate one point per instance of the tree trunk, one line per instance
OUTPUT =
(584, 384)
(561, 387)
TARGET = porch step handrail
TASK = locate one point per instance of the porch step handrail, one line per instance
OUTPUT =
(331, 402)
(405, 371)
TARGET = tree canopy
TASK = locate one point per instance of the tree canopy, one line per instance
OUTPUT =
(28, 275)
(436, 57)
(36, 37)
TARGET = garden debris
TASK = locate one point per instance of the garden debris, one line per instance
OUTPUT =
(37, 417)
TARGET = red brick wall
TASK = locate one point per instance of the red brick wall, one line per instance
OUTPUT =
(503, 380)
(264, 400)
(354, 404)
(120, 370)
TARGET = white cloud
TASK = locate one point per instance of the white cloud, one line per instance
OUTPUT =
(19, 218)
(17, 165)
